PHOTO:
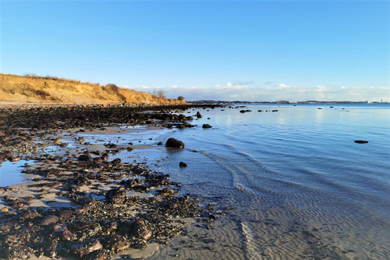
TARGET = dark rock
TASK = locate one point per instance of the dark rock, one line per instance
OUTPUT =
(182, 164)
(212, 217)
(242, 111)
(105, 156)
(140, 228)
(117, 162)
(63, 234)
(160, 143)
(115, 196)
(198, 115)
(110, 145)
(118, 243)
(168, 192)
(172, 142)
(206, 126)
(84, 158)
(140, 188)
(83, 249)
(361, 141)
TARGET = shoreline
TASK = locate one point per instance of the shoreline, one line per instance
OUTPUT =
(82, 202)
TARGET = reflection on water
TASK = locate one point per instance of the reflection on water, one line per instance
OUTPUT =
(10, 173)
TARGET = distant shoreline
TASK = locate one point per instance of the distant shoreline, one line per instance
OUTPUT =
(208, 102)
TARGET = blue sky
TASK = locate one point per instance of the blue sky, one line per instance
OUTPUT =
(231, 50)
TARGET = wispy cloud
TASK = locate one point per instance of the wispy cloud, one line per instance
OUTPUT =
(281, 91)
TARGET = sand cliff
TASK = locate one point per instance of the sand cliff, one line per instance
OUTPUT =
(36, 89)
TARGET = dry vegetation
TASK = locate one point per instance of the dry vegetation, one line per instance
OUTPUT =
(36, 89)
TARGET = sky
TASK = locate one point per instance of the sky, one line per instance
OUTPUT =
(225, 50)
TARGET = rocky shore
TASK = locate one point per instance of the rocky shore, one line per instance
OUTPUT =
(81, 202)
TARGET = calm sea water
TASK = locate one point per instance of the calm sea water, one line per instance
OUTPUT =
(298, 185)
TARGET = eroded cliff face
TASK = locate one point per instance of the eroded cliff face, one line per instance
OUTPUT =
(36, 89)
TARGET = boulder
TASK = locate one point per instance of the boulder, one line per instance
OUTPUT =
(84, 158)
(361, 141)
(174, 143)
(206, 126)
(182, 164)
(198, 115)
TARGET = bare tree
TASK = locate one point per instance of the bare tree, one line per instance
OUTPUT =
(161, 94)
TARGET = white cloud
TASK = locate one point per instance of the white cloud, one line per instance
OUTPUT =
(231, 86)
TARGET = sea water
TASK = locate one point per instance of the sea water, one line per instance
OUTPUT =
(296, 184)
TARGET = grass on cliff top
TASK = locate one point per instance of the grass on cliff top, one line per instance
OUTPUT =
(38, 89)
